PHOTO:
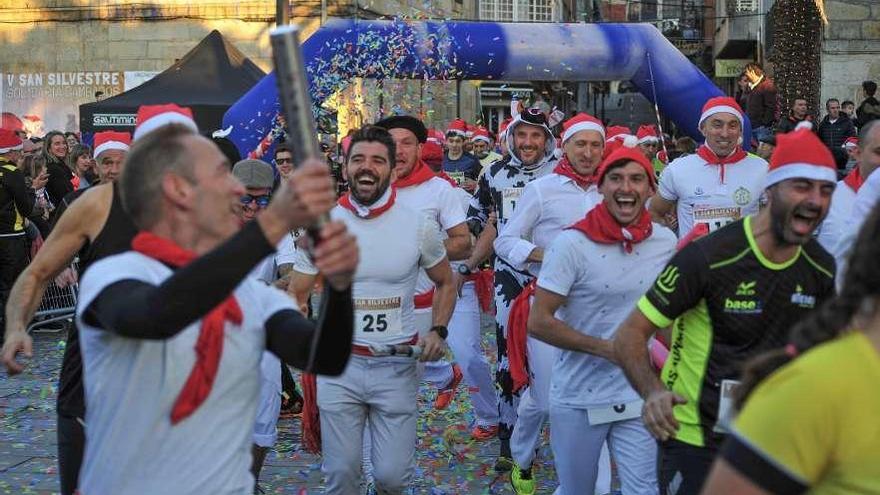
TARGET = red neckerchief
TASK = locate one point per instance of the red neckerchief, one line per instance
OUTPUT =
(517, 333)
(345, 202)
(420, 173)
(711, 158)
(443, 175)
(854, 179)
(209, 346)
(599, 226)
(565, 169)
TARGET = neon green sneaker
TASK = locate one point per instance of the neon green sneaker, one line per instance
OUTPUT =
(522, 481)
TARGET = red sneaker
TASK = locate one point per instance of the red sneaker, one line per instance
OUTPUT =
(445, 395)
(482, 433)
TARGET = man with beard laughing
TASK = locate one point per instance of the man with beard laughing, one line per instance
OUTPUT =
(379, 392)
(730, 296)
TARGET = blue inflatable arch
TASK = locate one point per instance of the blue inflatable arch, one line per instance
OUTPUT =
(343, 49)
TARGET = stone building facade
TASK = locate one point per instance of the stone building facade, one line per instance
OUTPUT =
(850, 48)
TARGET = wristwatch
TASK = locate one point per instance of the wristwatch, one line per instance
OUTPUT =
(463, 270)
(441, 331)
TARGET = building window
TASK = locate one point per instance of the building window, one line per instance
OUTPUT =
(518, 10)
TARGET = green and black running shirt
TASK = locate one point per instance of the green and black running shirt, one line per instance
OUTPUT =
(728, 303)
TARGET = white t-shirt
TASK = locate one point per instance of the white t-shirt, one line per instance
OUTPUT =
(602, 284)
(839, 217)
(865, 201)
(702, 198)
(285, 253)
(440, 202)
(393, 247)
(132, 384)
(547, 205)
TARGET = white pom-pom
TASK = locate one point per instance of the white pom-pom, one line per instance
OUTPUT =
(630, 141)
(804, 124)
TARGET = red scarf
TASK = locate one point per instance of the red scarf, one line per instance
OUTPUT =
(517, 333)
(345, 202)
(711, 158)
(209, 346)
(565, 169)
(311, 419)
(599, 226)
(443, 175)
(854, 179)
(420, 173)
(484, 286)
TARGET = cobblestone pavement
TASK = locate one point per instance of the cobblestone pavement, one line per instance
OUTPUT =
(449, 462)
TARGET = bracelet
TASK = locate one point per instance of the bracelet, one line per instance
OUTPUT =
(441, 331)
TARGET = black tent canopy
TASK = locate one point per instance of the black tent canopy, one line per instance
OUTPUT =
(208, 79)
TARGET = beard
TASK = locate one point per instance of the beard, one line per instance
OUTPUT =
(368, 198)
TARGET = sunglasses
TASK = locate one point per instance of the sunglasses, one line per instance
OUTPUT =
(279, 161)
(262, 201)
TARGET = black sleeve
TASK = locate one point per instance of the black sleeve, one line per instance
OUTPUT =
(21, 194)
(767, 474)
(769, 104)
(140, 310)
(59, 184)
(680, 285)
(290, 336)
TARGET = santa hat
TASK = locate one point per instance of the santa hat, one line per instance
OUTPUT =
(647, 133)
(581, 122)
(721, 104)
(481, 134)
(111, 140)
(800, 155)
(458, 127)
(9, 141)
(151, 117)
(432, 153)
(616, 132)
(627, 152)
(850, 143)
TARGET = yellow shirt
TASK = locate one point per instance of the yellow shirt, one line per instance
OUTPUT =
(818, 419)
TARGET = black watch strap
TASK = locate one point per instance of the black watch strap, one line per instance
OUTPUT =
(441, 331)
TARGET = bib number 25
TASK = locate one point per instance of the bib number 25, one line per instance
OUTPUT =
(374, 322)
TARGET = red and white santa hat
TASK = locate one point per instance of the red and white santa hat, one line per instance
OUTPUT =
(850, 143)
(9, 141)
(800, 155)
(647, 133)
(626, 151)
(152, 117)
(581, 122)
(111, 140)
(458, 127)
(616, 132)
(481, 134)
(721, 104)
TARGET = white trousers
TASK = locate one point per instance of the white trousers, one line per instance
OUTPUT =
(379, 393)
(437, 373)
(265, 426)
(534, 404)
(577, 446)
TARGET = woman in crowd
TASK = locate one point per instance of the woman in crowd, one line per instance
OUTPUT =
(60, 176)
(79, 160)
(809, 422)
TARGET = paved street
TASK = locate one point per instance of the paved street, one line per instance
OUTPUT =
(448, 461)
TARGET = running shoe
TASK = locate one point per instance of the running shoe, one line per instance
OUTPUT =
(445, 395)
(503, 464)
(521, 481)
(482, 433)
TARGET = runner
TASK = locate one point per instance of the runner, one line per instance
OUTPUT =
(531, 145)
(547, 206)
(483, 148)
(592, 274)
(720, 183)
(804, 429)
(419, 189)
(375, 391)
(172, 379)
(95, 226)
(840, 215)
(457, 162)
(731, 295)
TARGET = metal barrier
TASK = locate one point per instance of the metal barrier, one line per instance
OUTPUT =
(58, 304)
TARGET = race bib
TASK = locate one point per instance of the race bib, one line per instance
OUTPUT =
(377, 318)
(509, 198)
(617, 412)
(458, 177)
(725, 406)
(715, 218)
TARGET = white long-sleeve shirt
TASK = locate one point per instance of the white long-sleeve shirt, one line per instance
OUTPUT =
(547, 206)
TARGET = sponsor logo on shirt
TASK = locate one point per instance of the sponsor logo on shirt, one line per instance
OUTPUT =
(803, 300)
(746, 288)
(742, 196)
(742, 306)
(698, 191)
(667, 280)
